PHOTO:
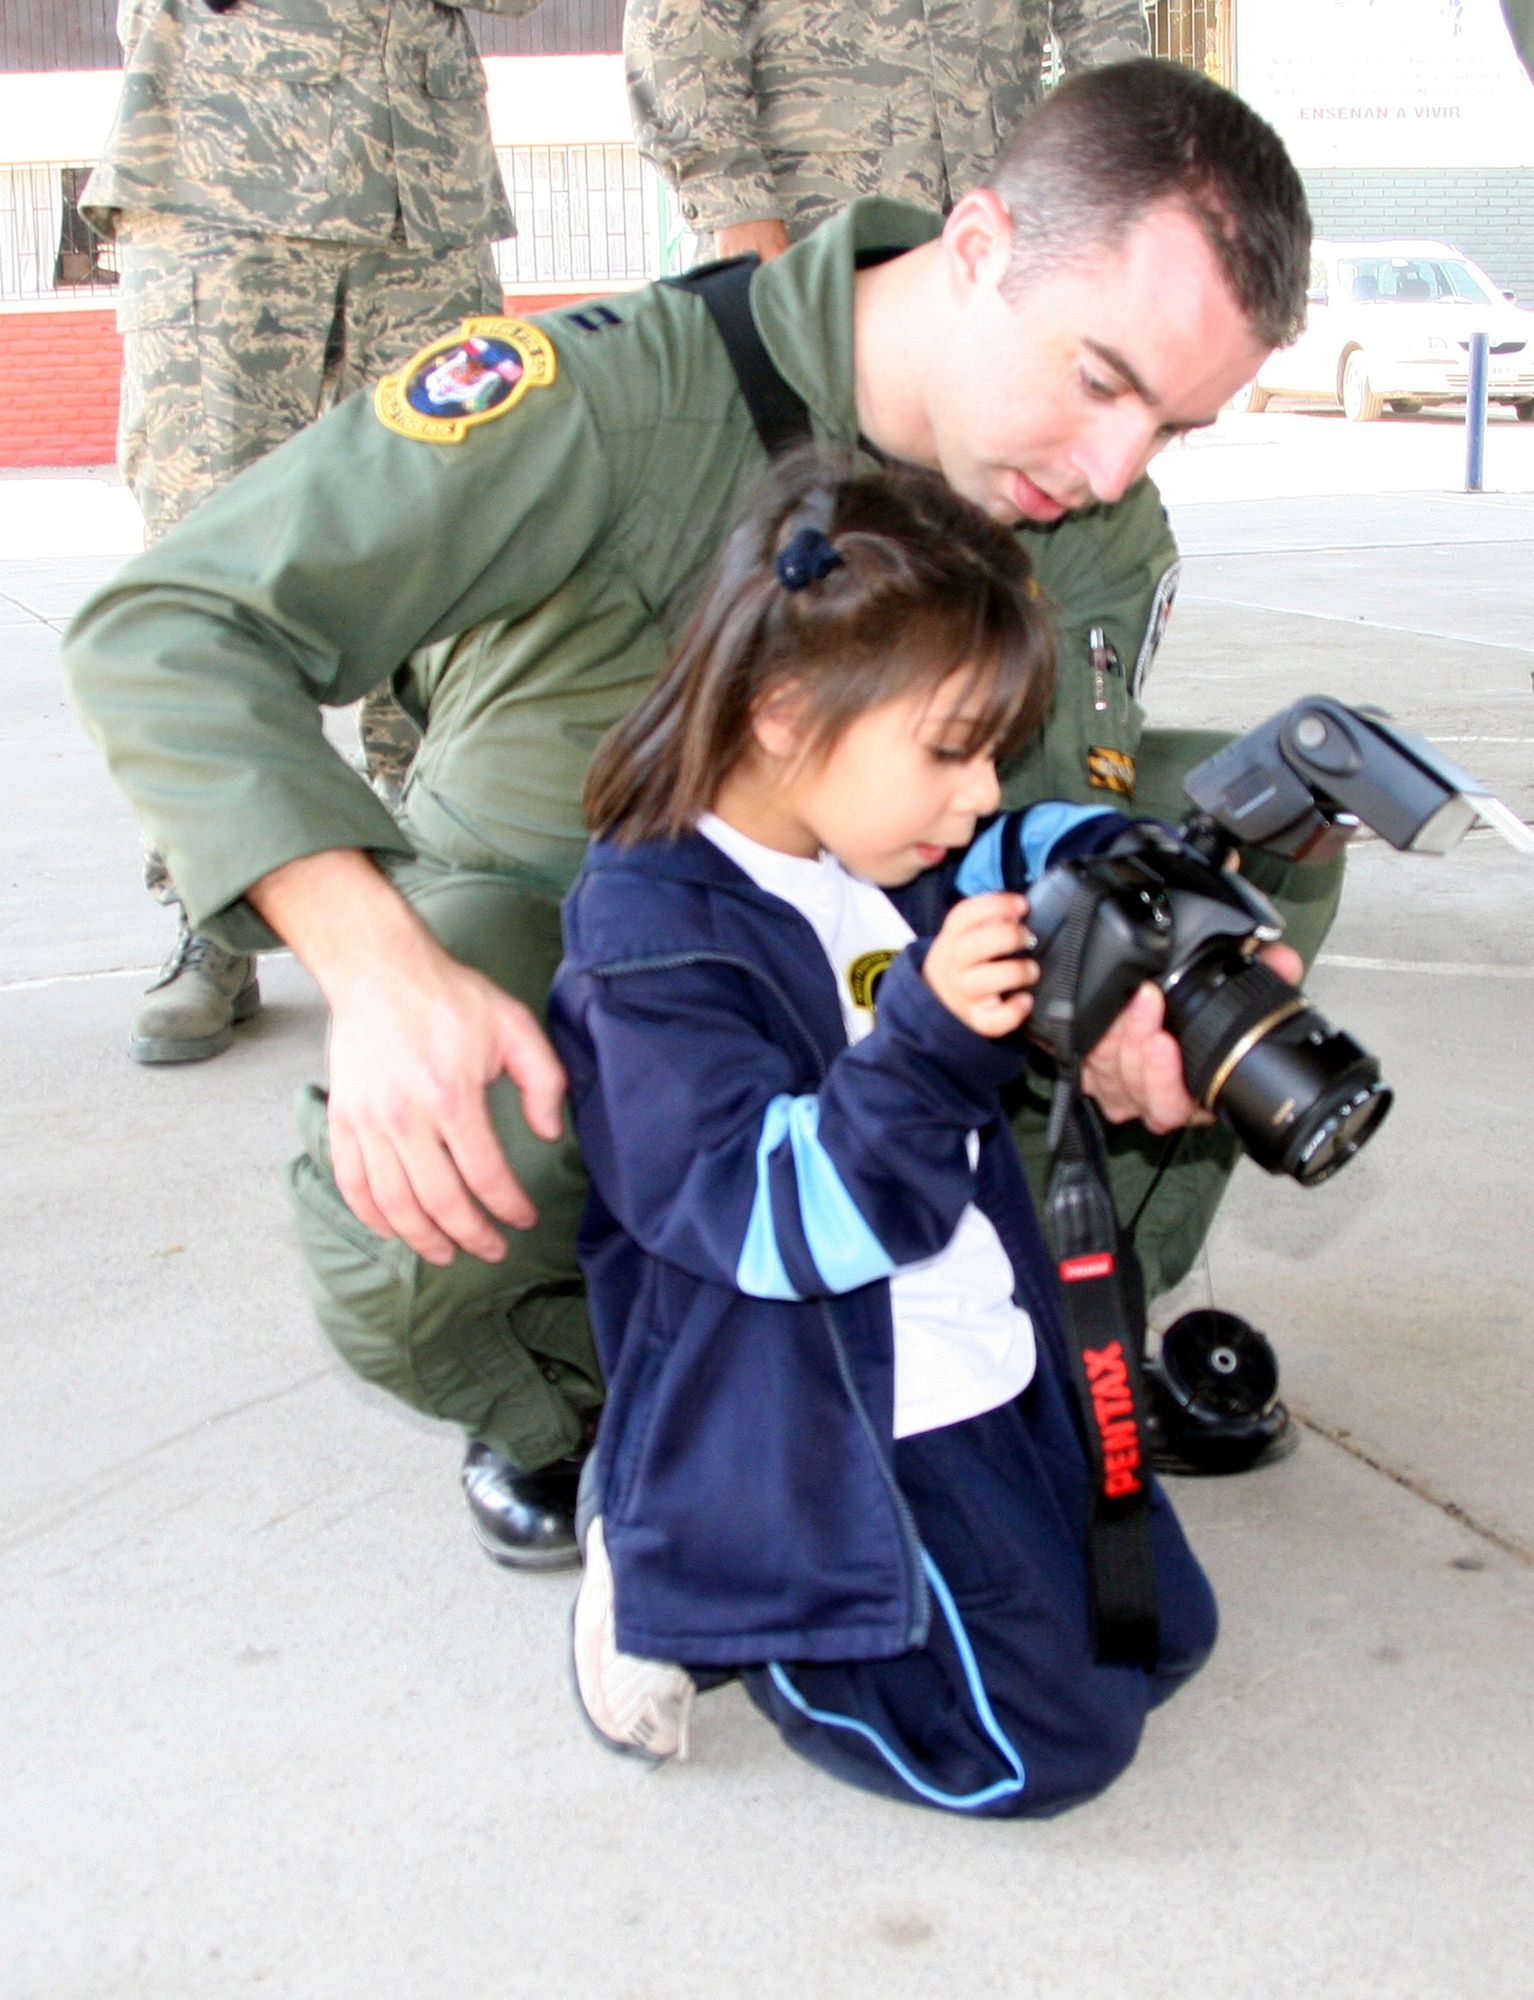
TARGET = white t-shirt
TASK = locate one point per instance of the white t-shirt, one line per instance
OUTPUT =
(961, 1345)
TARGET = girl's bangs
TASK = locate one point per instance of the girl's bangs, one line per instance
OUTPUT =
(1000, 682)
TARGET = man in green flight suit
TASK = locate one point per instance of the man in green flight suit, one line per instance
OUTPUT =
(530, 548)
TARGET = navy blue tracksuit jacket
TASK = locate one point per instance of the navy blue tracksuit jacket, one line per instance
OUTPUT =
(754, 1182)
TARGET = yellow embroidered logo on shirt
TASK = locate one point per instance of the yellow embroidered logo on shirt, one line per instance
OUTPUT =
(1113, 770)
(864, 974)
(473, 375)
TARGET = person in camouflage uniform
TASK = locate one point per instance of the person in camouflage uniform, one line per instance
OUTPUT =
(302, 193)
(767, 116)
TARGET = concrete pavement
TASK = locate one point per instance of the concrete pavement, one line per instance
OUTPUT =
(271, 1722)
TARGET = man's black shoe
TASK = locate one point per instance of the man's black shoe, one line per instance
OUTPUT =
(525, 1520)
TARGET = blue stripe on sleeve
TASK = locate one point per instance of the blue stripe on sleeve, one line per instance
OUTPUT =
(846, 1251)
(980, 871)
(1044, 825)
(760, 1272)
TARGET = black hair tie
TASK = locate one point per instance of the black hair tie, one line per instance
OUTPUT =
(807, 558)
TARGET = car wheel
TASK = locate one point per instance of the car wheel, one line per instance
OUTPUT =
(1358, 399)
(1525, 413)
(1251, 400)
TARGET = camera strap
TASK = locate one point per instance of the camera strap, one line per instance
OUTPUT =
(1103, 1305)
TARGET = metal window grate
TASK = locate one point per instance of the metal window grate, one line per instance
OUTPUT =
(1196, 33)
(588, 217)
(46, 250)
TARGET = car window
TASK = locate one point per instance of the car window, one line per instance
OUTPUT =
(1461, 282)
(1409, 280)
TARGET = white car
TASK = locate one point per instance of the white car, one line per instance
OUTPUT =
(1389, 325)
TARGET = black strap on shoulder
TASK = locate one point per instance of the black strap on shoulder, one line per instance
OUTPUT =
(780, 413)
(1102, 1297)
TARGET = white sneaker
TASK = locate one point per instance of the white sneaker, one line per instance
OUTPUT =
(644, 1706)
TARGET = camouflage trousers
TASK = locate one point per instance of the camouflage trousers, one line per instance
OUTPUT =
(232, 343)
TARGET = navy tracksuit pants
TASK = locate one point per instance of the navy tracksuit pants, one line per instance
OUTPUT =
(1004, 1712)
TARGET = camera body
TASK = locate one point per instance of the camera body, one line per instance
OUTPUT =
(1301, 1095)
(1165, 905)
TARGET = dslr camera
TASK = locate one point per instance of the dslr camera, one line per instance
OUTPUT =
(1167, 906)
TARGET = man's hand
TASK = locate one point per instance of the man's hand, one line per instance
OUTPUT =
(415, 1041)
(768, 239)
(1136, 1069)
(975, 964)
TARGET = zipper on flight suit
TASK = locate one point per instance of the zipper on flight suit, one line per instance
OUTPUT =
(1105, 661)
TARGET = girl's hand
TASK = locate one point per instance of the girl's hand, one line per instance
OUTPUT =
(974, 964)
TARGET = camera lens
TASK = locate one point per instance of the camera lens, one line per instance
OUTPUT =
(1301, 1096)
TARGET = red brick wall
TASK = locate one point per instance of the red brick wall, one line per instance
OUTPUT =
(58, 388)
(58, 382)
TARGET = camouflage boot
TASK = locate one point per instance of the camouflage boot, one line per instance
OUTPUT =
(192, 1007)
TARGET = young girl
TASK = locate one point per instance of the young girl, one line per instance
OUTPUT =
(840, 1454)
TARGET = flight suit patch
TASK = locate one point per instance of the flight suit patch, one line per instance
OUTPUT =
(1113, 771)
(480, 372)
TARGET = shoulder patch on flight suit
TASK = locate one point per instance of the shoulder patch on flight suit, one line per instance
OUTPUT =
(1155, 626)
(1113, 771)
(473, 375)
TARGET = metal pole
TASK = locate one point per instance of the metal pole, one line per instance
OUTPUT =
(1475, 414)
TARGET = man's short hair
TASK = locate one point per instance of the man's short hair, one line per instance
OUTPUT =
(1084, 168)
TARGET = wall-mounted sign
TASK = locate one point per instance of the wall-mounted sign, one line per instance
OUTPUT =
(1387, 83)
